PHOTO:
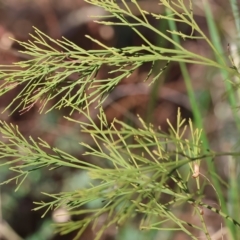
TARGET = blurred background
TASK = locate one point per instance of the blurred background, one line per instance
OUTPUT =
(155, 103)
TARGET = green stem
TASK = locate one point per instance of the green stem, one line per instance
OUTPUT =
(198, 119)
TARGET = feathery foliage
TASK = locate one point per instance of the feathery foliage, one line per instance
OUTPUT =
(140, 173)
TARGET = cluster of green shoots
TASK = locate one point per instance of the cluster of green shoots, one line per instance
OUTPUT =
(141, 173)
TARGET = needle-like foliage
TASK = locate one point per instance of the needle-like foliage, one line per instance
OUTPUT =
(139, 173)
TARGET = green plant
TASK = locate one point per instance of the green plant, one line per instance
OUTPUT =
(140, 172)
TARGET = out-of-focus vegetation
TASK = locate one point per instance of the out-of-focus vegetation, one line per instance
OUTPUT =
(110, 92)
